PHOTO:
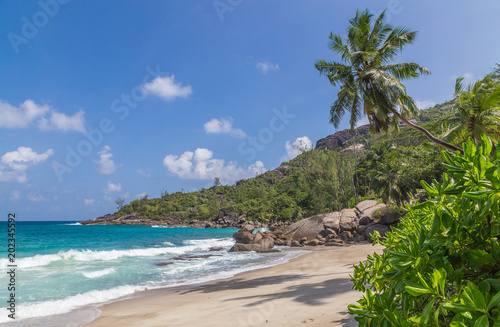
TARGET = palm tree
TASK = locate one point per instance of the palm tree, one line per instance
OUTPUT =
(477, 107)
(495, 73)
(370, 82)
(387, 181)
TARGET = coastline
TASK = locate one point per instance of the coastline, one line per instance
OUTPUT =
(313, 289)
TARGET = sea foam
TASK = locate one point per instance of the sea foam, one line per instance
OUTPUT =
(47, 308)
(98, 273)
(90, 255)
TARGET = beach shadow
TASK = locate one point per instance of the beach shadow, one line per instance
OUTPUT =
(346, 322)
(241, 283)
(310, 294)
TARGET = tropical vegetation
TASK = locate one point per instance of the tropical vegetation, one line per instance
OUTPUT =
(477, 109)
(370, 81)
(441, 265)
(316, 181)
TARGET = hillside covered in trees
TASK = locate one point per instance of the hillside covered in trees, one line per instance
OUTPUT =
(317, 181)
(383, 166)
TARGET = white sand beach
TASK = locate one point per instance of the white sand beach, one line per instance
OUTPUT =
(312, 290)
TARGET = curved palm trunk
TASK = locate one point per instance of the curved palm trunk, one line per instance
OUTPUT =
(428, 134)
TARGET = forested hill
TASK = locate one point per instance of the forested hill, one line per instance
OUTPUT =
(316, 181)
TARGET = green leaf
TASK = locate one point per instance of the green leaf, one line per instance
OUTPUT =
(495, 283)
(439, 280)
(469, 149)
(457, 324)
(495, 300)
(476, 195)
(430, 189)
(447, 156)
(421, 205)
(426, 313)
(436, 224)
(487, 145)
(484, 287)
(417, 291)
(486, 208)
(482, 322)
(458, 307)
(391, 317)
(480, 257)
(456, 189)
(474, 297)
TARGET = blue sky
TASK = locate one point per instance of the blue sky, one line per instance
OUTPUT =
(108, 99)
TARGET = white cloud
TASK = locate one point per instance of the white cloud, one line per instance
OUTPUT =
(24, 157)
(301, 144)
(180, 166)
(36, 197)
(143, 173)
(88, 202)
(266, 67)
(42, 116)
(167, 88)
(223, 126)
(112, 187)
(62, 122)
(424, 104)
(201, 165)
(106, 164)
(12, 117)
(9, 175)
(15, 195)
(13, 165)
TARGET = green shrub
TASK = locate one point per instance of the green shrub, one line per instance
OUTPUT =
(390, 208)
(441, 265)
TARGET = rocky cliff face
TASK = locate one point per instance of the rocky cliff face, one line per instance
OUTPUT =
(339, 139)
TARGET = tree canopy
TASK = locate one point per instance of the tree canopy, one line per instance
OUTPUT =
(371, 83)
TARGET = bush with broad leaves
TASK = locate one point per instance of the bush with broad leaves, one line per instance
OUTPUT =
(441, 265)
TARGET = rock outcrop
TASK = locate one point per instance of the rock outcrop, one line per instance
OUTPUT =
(224, 219)
(329, 229)
(381, 229)
(246, 240)
(339, 139)
(113, 219)
(355, 148)
(307, 228)
(368, 224)
(333, 227)
(337, 228)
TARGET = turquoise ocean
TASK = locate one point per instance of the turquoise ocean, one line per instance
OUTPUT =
(65, 267)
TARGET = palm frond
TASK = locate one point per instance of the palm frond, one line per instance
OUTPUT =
(404, 71)
(394, 43)
(338, 46)
(459, 85)
(343, 103)
(380, 31)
